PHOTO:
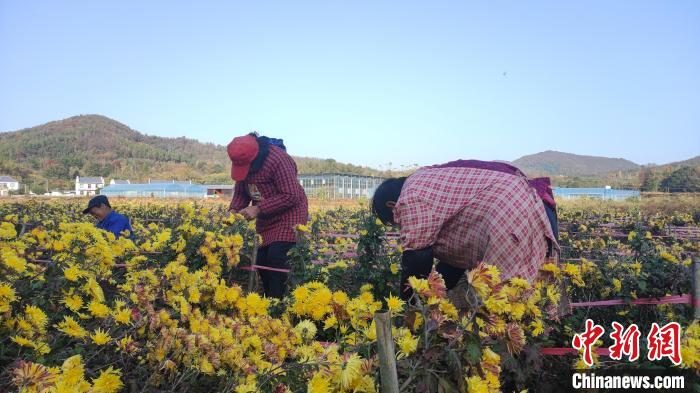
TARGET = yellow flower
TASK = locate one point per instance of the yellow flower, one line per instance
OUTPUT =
(255, 305)
(668, 257)
(490, 357)
(206, 367)
(330, 322)
(100, 337)
(72, 328)
(109, 381)
(350, 370)
(126, 343)
(122, 316)
(420, 286)
(7, 293)
(73, 273)
(194, 295)
(394, 304)
(537, 327)
(477, 385)
(340, 298)
(73, 302)
(551, 268)
(22, 341)
(617, 284)
(636, 267)
(94, 289)
(14, 262)
(98, 310)
(520, 283)
(449, 310)
(574, 273)
(394, 268)
(36, 317)
(319, 384)
(306, 330)
(7, 231)
(407, 343)
(371, 332)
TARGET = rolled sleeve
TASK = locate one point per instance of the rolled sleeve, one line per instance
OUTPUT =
(240, 199)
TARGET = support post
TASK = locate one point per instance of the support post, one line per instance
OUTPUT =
(387, 355)
(253, 260)
(696, 287)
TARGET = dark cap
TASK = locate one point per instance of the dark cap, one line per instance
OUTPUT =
(96, 201)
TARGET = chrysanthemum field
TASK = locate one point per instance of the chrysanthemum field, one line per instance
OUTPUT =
(172, 311)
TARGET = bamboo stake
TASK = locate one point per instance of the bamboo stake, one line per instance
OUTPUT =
(387, 355)
(253, 260)
(696, 287)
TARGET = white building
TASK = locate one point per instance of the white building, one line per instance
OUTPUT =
(339, 185)
(118, 181)
(7, 184)
(88, 185)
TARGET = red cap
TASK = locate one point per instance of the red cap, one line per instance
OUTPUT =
(242, 151)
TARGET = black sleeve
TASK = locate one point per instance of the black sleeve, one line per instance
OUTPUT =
(416, 263)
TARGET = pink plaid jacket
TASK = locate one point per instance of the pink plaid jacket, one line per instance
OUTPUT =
(471, 215)
(275, 189)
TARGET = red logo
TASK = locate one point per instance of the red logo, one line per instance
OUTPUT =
(665, 342)
(662, 342)
(586, 339)
(626, 342)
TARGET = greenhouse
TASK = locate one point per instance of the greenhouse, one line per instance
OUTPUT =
(159, 190)
(339, 186)
(598, 193)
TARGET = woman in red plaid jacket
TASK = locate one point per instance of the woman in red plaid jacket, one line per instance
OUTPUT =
(468, 211)
(266, 176)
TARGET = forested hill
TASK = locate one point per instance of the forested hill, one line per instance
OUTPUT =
(94, 145)
(554, 163)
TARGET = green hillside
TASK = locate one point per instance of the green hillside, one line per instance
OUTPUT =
(92, 145)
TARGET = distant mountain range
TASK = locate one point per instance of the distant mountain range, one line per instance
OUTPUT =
(94, 145)
(554, 163)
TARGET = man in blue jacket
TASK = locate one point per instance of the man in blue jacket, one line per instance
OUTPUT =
(108, 219)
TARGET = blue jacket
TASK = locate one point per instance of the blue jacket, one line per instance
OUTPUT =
(116, 223)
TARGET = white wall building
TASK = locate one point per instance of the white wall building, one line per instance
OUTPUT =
(88, 185)
(7, 184)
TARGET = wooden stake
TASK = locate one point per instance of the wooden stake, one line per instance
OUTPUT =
(253, 260)
(387, 355)
(696, 287)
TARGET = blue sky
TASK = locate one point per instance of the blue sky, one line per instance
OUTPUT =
(368, 82)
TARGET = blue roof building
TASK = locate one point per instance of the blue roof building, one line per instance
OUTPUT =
(160, 190)
(599, 193)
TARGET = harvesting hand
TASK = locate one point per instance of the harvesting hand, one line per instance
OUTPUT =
(250, 212)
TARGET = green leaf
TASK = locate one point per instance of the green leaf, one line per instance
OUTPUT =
(473, 352)
(444, 386)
